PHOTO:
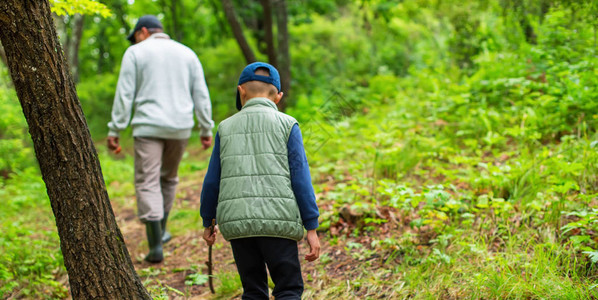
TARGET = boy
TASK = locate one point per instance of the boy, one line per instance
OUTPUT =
(258, 188)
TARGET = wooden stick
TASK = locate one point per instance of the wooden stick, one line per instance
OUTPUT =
(210, 267)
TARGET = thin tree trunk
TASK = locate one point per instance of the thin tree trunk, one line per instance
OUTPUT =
(544, 9)
(284, 57)
(595, 27)
(119, 10)
(235, 26)
(528, 29)
(268, 35)
(219, 19)
(102, 45)
(524, 23)
(95, 255)
(176, 6)
(62, 28)
(76, 44)
(3, 55)
(168, 26)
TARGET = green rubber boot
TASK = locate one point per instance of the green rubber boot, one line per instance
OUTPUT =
(166, 237)
(154, 240)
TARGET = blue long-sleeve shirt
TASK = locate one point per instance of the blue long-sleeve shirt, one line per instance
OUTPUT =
(300, 182)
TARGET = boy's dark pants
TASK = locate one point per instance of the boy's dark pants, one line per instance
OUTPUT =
(282, 258)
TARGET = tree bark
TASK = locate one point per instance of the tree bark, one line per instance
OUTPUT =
(284, 56)
(229, 12)
(95, 255)
(268, 35)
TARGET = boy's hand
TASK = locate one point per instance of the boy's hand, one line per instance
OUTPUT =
(314, 245)
(210, 238)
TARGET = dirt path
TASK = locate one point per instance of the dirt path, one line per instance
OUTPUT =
(184, 253)
(329, 277)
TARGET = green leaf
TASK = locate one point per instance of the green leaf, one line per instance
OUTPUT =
(483, 201)
(579, 239)
(196, 279)
(593, 256)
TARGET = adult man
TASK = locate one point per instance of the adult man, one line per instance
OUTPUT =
(161, 84)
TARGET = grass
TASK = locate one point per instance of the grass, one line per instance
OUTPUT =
(470, 218)
(445, 241)
(228, 285)
(31, 264)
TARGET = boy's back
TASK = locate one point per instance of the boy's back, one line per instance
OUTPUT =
(256, 197)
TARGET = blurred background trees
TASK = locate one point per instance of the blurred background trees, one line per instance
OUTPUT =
(329, 38)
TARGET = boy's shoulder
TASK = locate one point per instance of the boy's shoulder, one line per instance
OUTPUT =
(231, 119)
(274, 113)
(274, 116)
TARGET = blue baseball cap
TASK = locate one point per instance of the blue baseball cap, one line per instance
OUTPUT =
(248, 74)
(147, 21)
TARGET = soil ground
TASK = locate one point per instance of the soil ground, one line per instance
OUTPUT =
(188, 249)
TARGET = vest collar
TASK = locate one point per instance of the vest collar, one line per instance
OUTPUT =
(260, 101)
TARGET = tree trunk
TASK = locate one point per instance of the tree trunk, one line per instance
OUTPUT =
(3, 55)
(76, 44)
(268, 35)
(118, 8)
(216, 10)
(95, 255)
(102, 63)
(62, 24)
(284, 57)
(544, 9)
(235, 26)
(70, 31)
(528, 30)
(524, 23)
(175, 7)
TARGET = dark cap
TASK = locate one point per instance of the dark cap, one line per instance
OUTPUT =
(248, 74)
(147, 21)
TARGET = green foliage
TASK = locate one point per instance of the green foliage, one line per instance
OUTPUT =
(196, 279)
(96, 98)
(229, 284)
(30, 255)
(15, 144)
(86, 7)
(160, 291)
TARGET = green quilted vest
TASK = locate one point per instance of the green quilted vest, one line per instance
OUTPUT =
(256, 197)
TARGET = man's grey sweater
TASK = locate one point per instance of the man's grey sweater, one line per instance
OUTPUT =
(161, 84)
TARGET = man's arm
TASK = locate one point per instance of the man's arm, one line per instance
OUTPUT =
(211, 187)
(124, 96)
(201, 101)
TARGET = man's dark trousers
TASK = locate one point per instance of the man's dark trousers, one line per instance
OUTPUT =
(252, 255)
